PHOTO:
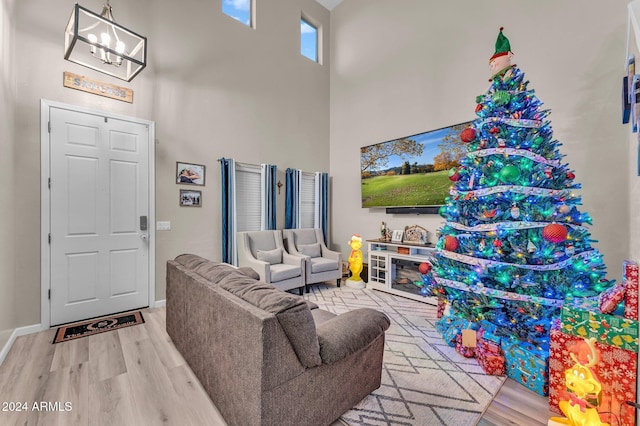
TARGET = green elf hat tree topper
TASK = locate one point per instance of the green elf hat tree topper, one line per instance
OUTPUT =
(500, 62)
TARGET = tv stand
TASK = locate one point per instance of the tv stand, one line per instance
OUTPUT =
(393, 267)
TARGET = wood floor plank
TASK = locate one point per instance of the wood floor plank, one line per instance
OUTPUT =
(72, 352)
(105, 357)
(152, 389)
(65, 400)
(197, 404)
(111, 402)
(157, 331)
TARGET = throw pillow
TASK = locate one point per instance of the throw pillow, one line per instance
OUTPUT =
(311, 250)
(270, 256)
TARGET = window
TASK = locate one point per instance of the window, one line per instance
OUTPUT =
(240, 10)
(248, 198)
(307, 200)
(309, 40)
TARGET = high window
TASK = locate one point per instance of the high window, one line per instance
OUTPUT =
(248, 197)
(309, 40)
(240, 10)
(307, 200)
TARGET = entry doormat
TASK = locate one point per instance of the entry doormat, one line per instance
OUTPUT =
(97, 325)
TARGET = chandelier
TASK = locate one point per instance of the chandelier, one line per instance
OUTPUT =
(98, 42)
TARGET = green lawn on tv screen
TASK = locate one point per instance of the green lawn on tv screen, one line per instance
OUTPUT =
(424, 189)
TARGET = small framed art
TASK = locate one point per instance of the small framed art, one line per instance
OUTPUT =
(189, 174)
(396, 236)
(189, 198)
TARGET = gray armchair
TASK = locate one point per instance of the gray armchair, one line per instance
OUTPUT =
(321, 264)
(264, 252)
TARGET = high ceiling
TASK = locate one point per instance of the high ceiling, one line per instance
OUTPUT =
(329, 4)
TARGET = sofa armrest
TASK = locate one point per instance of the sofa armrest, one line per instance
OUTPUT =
(347, 333)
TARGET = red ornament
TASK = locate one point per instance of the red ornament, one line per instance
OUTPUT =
(494, 130)
(497, 243)
(454, 176)
(478, 107)
(424, 268)
(468, 134)
(555, 233)
(570, 176)
(451, 243)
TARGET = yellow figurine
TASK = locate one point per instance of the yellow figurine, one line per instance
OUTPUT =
(355, 262)
(585, 393)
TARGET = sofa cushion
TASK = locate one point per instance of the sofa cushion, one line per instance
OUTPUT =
(283, 271)
(270, 256)
(191, 261)
(322, 264)
(311, 250)
(292, 313)
(350, 332)
(249, 272)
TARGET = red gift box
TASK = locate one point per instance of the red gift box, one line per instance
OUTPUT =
(630, 281)
(491, 362)
(489, 347)
(616, 372)
(465, 351)
(442, 304)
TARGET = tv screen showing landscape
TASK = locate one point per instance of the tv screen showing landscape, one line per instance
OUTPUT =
(412, 171)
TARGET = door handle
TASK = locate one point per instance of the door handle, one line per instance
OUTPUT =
(144, 237)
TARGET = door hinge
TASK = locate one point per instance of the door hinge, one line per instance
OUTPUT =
(49, 294)
(49, 238)
(106, 120)
(49, 183)
(49, 126)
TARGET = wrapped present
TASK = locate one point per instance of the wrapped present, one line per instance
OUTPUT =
(442, 304)
(616, 372)
(609, 299)
(465, 351)
(489, 346)
(630, 281)
(607, 329)
(528, 365)
(491, 362)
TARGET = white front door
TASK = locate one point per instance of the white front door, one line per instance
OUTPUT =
(99, 206)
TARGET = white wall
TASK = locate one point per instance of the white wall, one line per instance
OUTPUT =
(7, 173)
(404, 67)
(214, 87)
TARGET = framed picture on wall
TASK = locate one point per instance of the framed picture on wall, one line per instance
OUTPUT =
(190, 198)
(189, 174)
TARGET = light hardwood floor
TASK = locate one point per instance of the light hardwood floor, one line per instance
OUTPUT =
(135, 376)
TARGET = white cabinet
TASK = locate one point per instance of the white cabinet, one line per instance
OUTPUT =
(393, 267)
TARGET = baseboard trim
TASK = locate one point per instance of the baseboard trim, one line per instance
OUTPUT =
(20, 331)
(160, 303)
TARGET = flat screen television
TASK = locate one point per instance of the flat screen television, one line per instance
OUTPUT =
(412, 171)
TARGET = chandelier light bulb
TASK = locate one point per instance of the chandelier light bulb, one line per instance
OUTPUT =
(105, 39)
(120, 46)
(93, 39)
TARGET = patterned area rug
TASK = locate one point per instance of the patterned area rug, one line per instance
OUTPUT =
(424, 381)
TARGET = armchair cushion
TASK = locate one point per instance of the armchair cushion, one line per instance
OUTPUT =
(347, 333)
(282, 271)
(270, 256)
(322, 264)
(311, 250)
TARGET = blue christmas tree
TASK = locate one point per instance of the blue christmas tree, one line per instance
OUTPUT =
(514, 244)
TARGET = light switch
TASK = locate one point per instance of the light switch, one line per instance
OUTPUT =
(163, 226)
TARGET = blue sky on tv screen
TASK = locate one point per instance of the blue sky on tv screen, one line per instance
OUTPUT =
(238, 9)
(430, 141)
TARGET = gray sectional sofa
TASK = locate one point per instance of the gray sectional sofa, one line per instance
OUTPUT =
(267, 357)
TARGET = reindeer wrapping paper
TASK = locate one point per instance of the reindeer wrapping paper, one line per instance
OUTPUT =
(616, 372)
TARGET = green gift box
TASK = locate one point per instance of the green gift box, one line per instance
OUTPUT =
(607, 329)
